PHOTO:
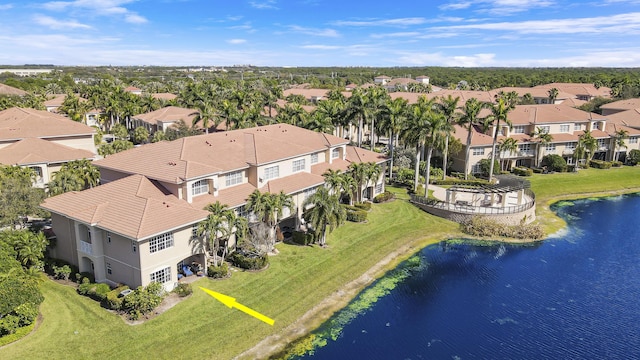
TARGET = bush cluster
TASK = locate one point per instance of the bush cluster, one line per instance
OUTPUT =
(184, 289)
(554, 162)
(366, 206)
(599, 164)
(385, 196)
(522, 171)
(634, 157)
(355, 214)
(248, 262)
(143, 300)
(302, 238)
(218, 272)
(486, 227)
(114, 300)
(96, 291)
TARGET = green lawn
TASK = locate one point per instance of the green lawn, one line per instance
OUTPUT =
(585, 183)
(297, 279)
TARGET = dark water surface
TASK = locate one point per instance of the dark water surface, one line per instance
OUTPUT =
(575, 296)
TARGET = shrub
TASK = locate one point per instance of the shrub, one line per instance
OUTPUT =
(554, 162)
(9, 324)
(184, 289)
(143, 300)
(113, 299)
(302, 238)
(218, 272)
(61, 272)
(248, 262)
(599, 164)
(356, 216)
(486, 227)
(435, 173)
(385, 196)
(522, 171)
(634, 157)
(85, 286)
(616, 163)
(485, 164)
(405, 176)
(99, 291)
(366, 206)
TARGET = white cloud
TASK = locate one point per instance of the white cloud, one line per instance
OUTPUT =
(314, 32)
(135, 19)
(97, 8)
(622, 23)
(6, 6)
(58, 24)
(396, 34)
(236, 41)
(455, 6)
(321, 47)
(382, 22)
(268, 4)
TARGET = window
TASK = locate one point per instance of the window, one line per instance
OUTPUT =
(200, 187)
(194, 231)
(524, 148)
(544, 129)
(596, 126)
(478, 151)
(37, 170)
(134, 245)
(550, 148)
(161, 276)
(314, 158)
(109, 268)
(242, 212)
(633, 140)
(518, 129)
(378, 188)
(475, 169)
(602, 143)
(564, 128)
(109, 237)
(309, 192)
(160, 242)
(335, 153)
(271, 172)
(577, 127)
(234, 178)
(570, 145)
(298, 165)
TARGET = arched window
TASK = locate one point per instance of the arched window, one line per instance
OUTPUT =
(200, 187)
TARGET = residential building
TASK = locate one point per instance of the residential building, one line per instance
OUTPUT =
(11, 91)
(164, 118)
(620, 106)
(582, 91)
(42, 141)
(139, 225)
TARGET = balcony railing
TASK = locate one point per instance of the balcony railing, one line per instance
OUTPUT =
(86, 247)
(471, 209)
(525, 152)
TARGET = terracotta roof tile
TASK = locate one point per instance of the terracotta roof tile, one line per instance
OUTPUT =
(19, 123)
(169, 113)
(133, 206)
(628, 118)
(626, 104)
(293, 183)
(34, 151)
(549, 113)
(10, 90)
(232, 197)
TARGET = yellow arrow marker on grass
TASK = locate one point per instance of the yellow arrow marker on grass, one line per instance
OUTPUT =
(231, 303)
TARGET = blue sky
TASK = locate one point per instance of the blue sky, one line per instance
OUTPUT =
(468, 33)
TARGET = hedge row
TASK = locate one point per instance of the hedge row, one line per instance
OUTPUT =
(355, 214)
(486, 227)
(522, 171)
(248, 262)
(599, 164)
(385, 196)
(302, 238)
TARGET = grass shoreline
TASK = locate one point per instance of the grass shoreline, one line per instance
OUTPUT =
(358, 254)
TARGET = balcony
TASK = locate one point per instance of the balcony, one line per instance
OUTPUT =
(86, 247)
(568, 151)
(525, 153)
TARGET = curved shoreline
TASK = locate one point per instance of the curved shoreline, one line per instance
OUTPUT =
(321, 312)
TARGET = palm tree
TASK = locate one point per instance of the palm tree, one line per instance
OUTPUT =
(363, 173)
(619, 143)
(350, 186)
(377, 98)
(544, 138)
(218, 225)
(325, 215)
(553, 94)
(427, 129)
(393, 122)
(206, 113)
(328, 111)
(357, 110)
(589, 143)
(507, 145)
(269, 209)
(64, 181)
(469, 119)
(334, 180)
(448, 106)
(499, 111)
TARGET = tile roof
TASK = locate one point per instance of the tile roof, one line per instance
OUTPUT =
(549, 113)
(359, 155)
(164, 96)
(135, 207)
(535, 92)
(38, 151)
(20, 123)
(626, 104)
(293, 183)
(201, 155)
(464, 95)
(578, 89)
(169, 113)
(628, 118)
(10, 90)
(233, 196)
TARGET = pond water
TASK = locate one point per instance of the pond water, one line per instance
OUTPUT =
(573, 296)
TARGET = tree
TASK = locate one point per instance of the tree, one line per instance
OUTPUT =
(469, 119)
(140, 135)
(18, 197)
(334, 180)
(325, 215)
(357, 110)
(587, 146)
(619, 142)
(219, 225)
(396, 116)
(499, 111)
(206, 113)
(544, 138)
(448, 107)
(158, 136)
(553, 94)
(554, 162)
(507, 145)
(377, 98)
(268, 208)
(362, 173)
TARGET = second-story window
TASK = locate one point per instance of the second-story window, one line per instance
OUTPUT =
(478, 151)
(564, 128)
(314, 158)
(160, 242)
(519, 129)
(200, 187)
(577, 127)
(298, 165)
(335, 153)
(550, 148)
(233, 178)
(545, 129)
(271, 172)
(633, 140)
(602, 143)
